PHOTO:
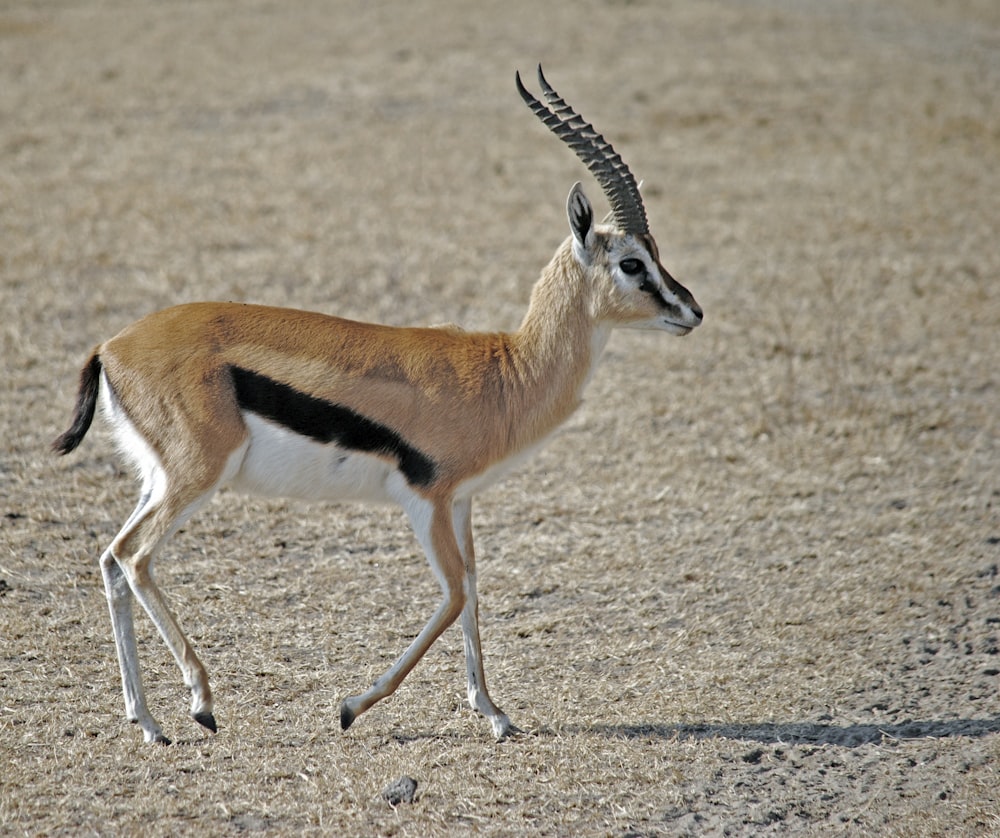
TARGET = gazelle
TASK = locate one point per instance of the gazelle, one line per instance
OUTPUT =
(294, 403)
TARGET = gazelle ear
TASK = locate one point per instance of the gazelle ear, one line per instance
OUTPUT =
(581, 222)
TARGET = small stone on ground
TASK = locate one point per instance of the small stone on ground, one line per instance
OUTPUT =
(401, 791)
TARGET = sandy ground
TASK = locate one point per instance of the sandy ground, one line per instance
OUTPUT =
(751, 588)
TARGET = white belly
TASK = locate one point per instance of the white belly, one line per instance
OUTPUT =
(279, 462)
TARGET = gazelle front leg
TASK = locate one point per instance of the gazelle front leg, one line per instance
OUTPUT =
(479, 697)
(432, 523)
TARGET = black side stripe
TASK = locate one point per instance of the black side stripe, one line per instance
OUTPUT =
(326, 422)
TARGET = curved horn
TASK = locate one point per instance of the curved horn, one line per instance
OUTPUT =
(596, 153)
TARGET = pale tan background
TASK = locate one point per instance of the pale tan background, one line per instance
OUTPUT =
(751, 588)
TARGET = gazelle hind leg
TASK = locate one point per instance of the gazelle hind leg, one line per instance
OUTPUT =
(432, 524)
(119, 596)
(129, 562)
(479, 697)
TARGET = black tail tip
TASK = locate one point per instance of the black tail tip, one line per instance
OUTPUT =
(65, 443)
(86, 403)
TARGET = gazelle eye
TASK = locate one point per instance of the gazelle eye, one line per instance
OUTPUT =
(632, 266)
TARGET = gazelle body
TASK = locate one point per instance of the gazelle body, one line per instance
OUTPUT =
(284, 402)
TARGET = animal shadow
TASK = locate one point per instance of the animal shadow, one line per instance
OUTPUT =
(814, 733)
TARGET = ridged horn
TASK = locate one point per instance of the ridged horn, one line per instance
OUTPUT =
(596, 153)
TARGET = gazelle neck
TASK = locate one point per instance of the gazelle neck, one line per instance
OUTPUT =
(558, 344)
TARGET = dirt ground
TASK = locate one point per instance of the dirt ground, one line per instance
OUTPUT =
(751, 588)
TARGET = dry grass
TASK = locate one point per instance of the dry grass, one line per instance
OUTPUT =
(752, 588)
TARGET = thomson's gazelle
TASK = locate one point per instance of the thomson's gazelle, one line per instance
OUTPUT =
(294, 403)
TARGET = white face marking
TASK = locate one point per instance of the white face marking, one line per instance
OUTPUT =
(639, 278)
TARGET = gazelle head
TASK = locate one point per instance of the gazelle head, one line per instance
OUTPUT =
(634, 289)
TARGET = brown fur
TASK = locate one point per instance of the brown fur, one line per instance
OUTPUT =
(467, 400)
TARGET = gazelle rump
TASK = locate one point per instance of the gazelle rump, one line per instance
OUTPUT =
(283, 402)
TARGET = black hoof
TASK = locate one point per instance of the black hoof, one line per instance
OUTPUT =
(161, 740)
(206, 720)
(346, 716)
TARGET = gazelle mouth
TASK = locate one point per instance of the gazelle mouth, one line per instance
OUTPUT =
(680, 329)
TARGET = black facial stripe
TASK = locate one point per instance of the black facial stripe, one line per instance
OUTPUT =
(326, 422)
(650, 288)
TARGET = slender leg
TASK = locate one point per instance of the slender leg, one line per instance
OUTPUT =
(119, 596)
(120, 604)
(127, 572)
(479, 697)
(433, 525)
